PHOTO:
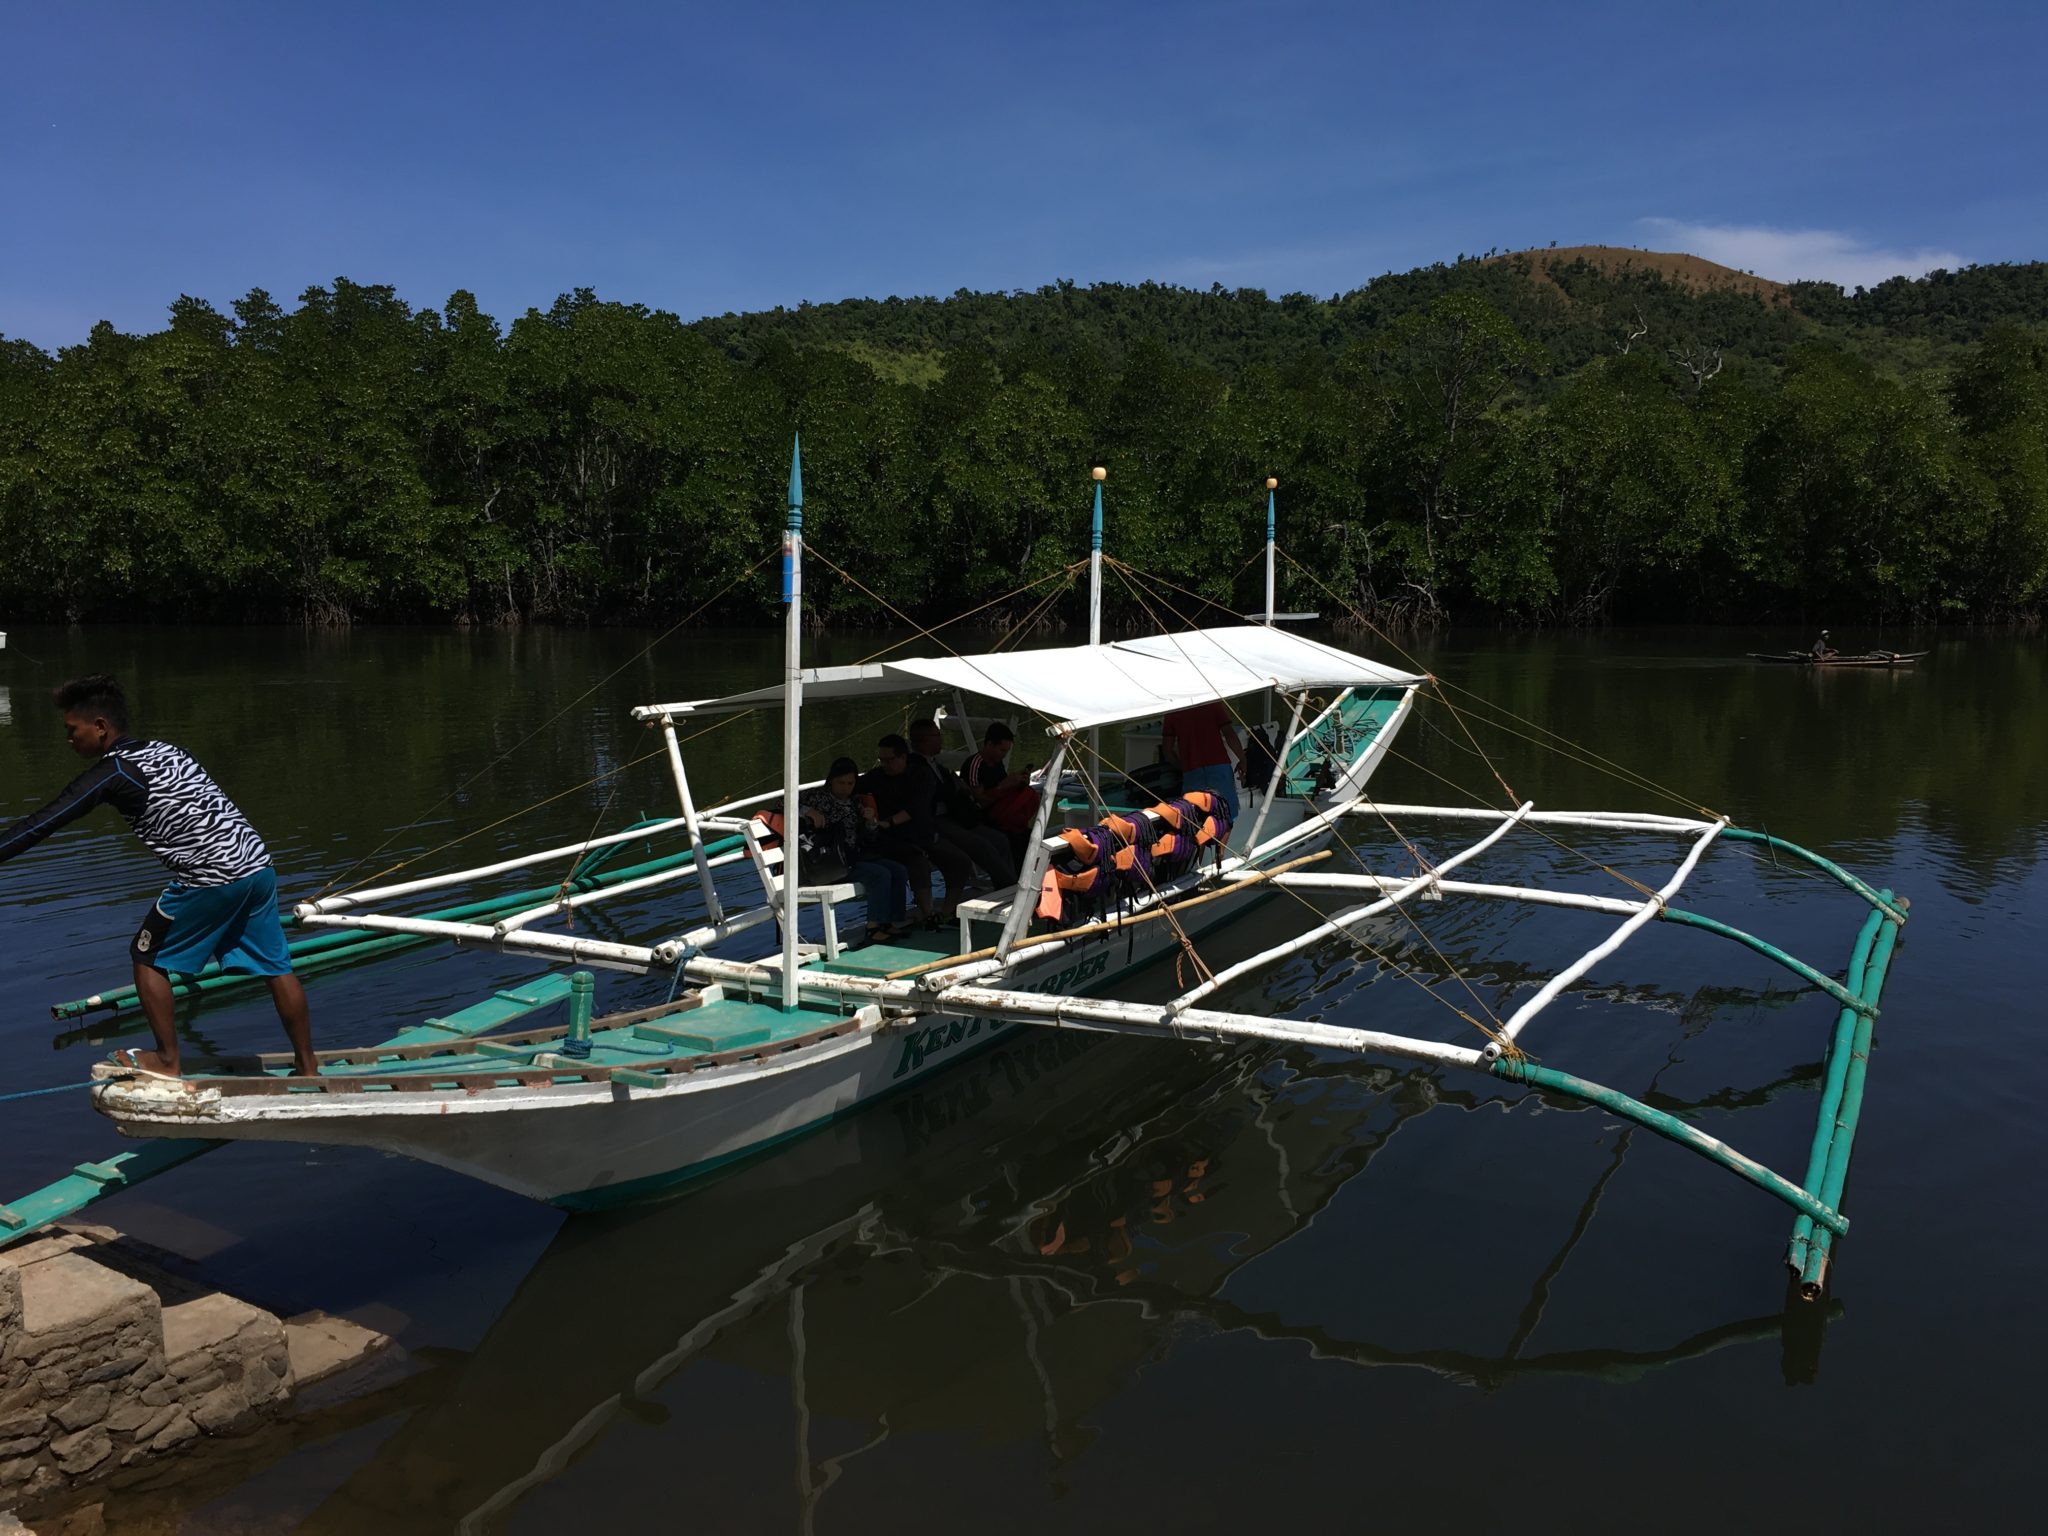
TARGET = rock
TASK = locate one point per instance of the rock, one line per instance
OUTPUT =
(88, 1407)
(82, 1451)
(10, 1296)
(114, 1370)
(199, 1386)
(222, 1410)
(177, 1432)
(159, 1393)
(131, 1416)
(156, 1422)
(53, 1383)
(24, 1447)
(29, 1421)
(17, 1471)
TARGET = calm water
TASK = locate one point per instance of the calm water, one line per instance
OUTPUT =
(1127, 1284)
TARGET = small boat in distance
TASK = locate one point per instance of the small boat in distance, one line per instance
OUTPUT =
(1867, 659)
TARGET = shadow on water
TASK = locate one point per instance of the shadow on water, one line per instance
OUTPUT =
(992, 1257)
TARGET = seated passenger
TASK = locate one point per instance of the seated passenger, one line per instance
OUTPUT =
(961, 822)
(1004, 794)
(1821, 649)
(906, 793)
(848, 827)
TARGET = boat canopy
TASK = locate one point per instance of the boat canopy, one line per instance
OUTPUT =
(1073, 686)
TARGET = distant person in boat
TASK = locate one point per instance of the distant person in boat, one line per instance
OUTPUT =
(221, 903)
(906, 794)
(961, 821)
(1200, 742)
(849, 826)
(1822, 651)
(1004, 793)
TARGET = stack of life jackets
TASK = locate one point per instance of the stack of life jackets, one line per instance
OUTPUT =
(1123, 857)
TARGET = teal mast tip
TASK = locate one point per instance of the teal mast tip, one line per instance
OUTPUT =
(796, 482)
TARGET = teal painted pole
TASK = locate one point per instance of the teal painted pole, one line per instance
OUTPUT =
(582, 994)
(1841, 994)
(1522, 1070)
(1818, 1250)
(1744, 835)
(1834, 1074)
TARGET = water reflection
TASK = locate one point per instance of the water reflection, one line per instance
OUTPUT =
(995, 1256)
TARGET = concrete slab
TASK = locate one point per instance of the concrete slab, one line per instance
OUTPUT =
(210, 1320)
(323, 1346)
(68, 1289)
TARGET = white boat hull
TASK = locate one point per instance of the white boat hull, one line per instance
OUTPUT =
(585, 1145)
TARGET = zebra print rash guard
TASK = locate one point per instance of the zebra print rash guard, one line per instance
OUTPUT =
(179, 813)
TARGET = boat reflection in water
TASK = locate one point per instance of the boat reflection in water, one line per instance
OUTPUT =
(978, 1267)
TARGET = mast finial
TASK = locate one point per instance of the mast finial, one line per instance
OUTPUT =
(796, 482)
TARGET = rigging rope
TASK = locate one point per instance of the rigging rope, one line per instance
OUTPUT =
(631, 661)
(1493, 1030)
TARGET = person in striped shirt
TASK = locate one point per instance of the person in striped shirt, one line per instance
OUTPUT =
(221, 903)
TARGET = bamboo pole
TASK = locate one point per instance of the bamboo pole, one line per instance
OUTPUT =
(1846, 996)
(332, 949)
(945, 961)
(1835, 1074)
(1819, 1249)
(1345, 919)
(1523, 1070)
(1884, 905)
(1551, 989)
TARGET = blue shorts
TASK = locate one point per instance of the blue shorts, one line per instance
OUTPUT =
(236, 924)
(1218, 779)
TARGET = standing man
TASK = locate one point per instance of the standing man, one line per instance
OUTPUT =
(1201, 741)
(221, 903)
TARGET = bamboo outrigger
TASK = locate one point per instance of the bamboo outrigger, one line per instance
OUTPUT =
(759, 1044)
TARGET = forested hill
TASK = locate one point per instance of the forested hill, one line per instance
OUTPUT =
(1564, 436)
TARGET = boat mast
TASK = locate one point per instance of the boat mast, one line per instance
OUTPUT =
(1272, 485)
(1095, 562)
(792, 711)
(1093, 774)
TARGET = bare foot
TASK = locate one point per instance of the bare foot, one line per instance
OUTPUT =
(306, 1066)
(148, 1061)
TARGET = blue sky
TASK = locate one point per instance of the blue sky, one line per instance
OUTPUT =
(704, 159)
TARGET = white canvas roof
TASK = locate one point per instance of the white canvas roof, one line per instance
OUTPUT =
(1081, 685)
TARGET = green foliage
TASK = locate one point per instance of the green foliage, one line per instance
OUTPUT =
(1553, 441)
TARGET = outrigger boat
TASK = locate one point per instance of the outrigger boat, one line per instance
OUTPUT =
(753, 1047)
(1867, 659)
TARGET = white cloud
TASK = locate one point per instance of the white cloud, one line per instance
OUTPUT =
(1789, 255)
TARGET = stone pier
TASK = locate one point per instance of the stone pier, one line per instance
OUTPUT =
(107, 1362)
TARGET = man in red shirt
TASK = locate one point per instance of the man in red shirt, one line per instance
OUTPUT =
(1201, 741)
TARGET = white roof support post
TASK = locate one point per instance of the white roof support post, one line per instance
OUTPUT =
(675, 763)
(1279, 766)
(1035, 856)
(1519, 1020)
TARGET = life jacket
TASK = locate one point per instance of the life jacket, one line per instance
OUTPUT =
(1113, 857)
(1193, 821)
